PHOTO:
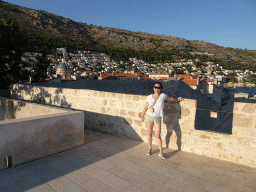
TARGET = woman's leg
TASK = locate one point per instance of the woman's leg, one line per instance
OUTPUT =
(150, 132)
(158, 137)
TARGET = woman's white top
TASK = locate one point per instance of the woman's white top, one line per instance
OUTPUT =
(158, 107)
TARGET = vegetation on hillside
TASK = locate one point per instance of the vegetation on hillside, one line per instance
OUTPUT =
(14, 41)
(47, 31)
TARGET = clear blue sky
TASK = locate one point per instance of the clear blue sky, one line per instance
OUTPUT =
(228, 23)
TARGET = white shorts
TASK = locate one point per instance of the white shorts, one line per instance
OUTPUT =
(153, 120)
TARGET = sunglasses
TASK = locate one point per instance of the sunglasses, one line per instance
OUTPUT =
(157, 87)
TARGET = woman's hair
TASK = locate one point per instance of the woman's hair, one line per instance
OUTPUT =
(159, 84)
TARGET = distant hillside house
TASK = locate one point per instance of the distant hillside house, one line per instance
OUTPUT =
(159, 75)
(193, 81)
(61, 50)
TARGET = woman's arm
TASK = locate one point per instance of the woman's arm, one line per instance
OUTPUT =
(172, 99)
(144, 111)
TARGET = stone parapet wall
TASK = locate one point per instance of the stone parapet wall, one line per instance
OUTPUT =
(120, 114)
(27, 132)
(16, 109)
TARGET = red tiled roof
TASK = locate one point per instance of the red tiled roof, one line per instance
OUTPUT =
(110, 77)
(165, 78)
(186, 77)
(190, 82)
(208, 80)
(217, 86)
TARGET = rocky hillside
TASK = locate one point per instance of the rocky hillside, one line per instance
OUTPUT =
(39, 21)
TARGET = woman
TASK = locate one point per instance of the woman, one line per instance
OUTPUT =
(154, 117)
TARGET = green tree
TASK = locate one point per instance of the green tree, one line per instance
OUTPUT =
(252, 79)
(87, 77)
(231, 77)
(40, 69)
(12, 47)
(218, 68)
(233, 80)
(198, 64)
(220, 73)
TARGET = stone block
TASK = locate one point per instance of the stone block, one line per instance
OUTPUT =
(131, 113)
(87, 93)
(94, 93)
(232, 150)
(113, 95)
(235, 108)
(253, 153)
(107, 94)
(205, 144)
(119, 104)
(129, 105)
(48, 100)
(243, 141)
(97, 109)
(122, 112)
(119, 96)
(196, 150)
(127, 121)
(103, 110)
(241, 120)
(112, 111)
(144, 132)
(249, 132)
(249, 108)
(74, 92)
(101, 94)
(249, 162)
(127, 97)
(185, 112)
(143, 98)
(64, 91)
(189, 103)
(90, 108)
(138, 122)
(77, 99)
(205, 136)
(210, 153)
(219, 146)
(104, 102)
(192, 141)
(253, 142)
(80, 92)
(112, 103)
(136, 98)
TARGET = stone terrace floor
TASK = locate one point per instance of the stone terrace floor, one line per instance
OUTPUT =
(110, 163)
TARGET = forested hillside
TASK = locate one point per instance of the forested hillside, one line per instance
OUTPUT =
(46, 31)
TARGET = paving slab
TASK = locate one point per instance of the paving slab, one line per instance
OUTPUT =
(108, 178)
(110, 163)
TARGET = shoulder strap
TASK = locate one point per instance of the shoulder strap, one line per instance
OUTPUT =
(156, 100)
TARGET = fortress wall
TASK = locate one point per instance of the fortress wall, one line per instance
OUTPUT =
(16, 109)
(119, 114)
(31, 138)
(29, 131)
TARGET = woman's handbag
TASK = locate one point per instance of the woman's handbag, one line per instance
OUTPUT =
(151, 107)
